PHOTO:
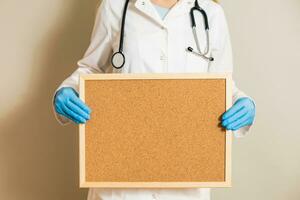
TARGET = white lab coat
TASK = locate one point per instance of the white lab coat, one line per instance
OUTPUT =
(153, 45)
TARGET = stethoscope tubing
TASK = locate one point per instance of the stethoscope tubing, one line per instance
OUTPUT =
(199, 9)
(123, 26)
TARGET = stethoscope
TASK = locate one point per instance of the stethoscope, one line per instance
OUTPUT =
(118, 58)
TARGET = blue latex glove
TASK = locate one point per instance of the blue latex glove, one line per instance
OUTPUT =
(241, 114)
(68, 104)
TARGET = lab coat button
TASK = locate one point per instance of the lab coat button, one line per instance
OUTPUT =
(162, 57)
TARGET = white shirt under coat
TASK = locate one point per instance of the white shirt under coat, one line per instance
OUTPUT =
(153, 45)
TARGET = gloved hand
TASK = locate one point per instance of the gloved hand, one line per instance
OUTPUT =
(68, 104)
(241, 114)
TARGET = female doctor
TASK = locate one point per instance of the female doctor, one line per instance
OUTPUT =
(158, 38)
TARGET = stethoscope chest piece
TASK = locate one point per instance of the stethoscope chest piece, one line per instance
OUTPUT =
(118, 60)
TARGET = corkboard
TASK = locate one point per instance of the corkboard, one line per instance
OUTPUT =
(156, 131)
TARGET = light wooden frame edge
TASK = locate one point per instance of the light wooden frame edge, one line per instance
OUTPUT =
(116, 76)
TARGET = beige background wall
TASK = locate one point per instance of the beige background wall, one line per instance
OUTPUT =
(40, 43)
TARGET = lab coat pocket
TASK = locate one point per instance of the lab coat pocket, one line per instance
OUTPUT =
(195, 63)
(151, 52)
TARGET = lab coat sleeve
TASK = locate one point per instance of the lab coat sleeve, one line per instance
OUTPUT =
(97, 57)
(222, 52)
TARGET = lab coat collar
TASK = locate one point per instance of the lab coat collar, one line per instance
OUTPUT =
(146, 7)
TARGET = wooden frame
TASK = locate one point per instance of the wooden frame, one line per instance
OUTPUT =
(226, 183)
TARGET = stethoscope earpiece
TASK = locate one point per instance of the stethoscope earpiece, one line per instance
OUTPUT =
(190, 49)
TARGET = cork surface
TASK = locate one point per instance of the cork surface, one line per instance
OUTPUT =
(155, 130)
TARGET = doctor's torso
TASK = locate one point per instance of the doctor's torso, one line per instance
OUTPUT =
(153, 45)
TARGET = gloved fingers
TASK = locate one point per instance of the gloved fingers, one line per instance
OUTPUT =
(243, 121)
(71, 118)
(234, 117)
(247, 123)
(61, 112)
(59, 109)
(73, 115)
(81, 104)
(235, 108)
(76, 109)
